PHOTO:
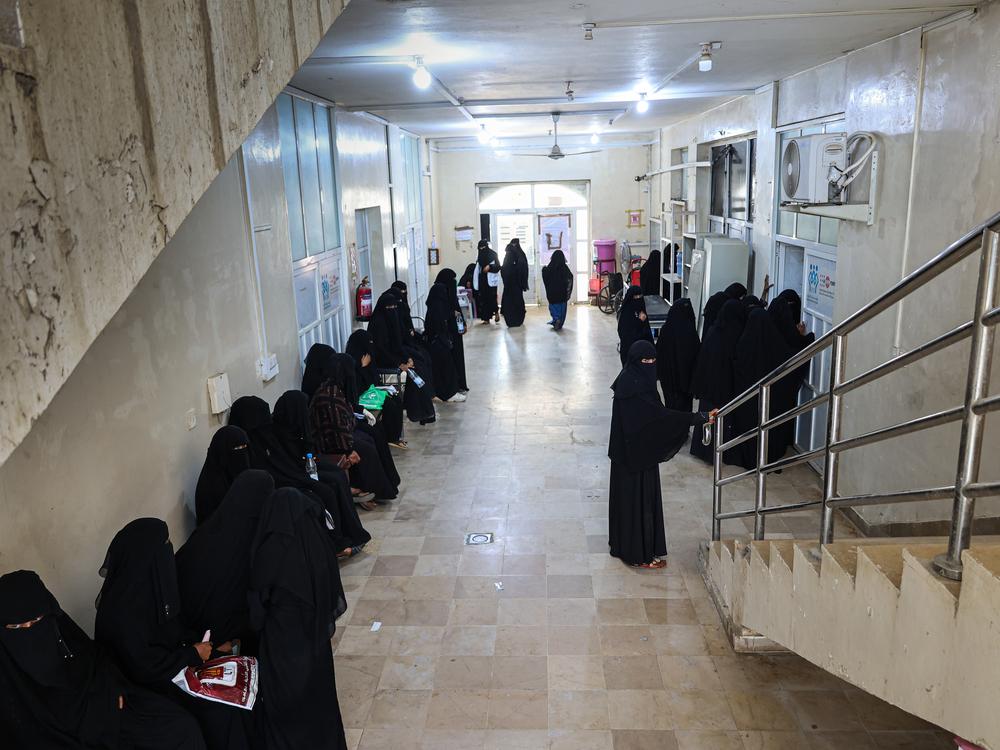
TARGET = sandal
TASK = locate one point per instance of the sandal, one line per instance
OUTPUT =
(401, 444)
(656, 564)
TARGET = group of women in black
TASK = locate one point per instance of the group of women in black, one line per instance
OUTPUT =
(744, 341)
(259, 576)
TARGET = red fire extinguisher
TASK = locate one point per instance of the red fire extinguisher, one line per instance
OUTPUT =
(363, 300)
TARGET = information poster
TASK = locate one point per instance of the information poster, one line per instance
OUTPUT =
(329, 281)
(555, 232)
(821, 285)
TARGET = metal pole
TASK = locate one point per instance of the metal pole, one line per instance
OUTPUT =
(716, 476)
(831, 459)
(764, 401)
(973, 425)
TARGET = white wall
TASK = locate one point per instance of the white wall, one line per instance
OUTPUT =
(613, 191)
(956, 184)
(114, 443)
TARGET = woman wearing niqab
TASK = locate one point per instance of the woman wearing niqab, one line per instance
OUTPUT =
(676, 354)
(296, 596)
(139, 621)
(713, 381)
(447, 277)
(558, 282)
(514, 273)
(59, 691)
(714, 304)
(786, 311)
(359, 348)
(487, 262)
(442, 331)
(213, 565)
(644, 433)
(228, 456)
(632, 323)
(650, 274)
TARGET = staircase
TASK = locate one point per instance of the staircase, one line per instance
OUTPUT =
(875, 614)
(915, 622)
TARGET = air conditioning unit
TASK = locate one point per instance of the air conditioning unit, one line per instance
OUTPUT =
(808, 164)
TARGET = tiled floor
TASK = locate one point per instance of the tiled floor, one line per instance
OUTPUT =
(541, 639)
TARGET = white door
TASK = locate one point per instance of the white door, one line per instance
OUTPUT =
(507, 226)
(555, 232)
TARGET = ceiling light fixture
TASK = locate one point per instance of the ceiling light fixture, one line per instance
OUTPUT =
(642, 106)
(705, 61)
(595, 138)
(588, 32)
(421, 76)
(495, 142)
(482, 135)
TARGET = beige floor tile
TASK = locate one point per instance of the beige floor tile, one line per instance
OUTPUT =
(567, 563)
(477, 640)
(400, 545)
(390, 738)
(516, 739)
(521, 640)
(621, 612)
(518, 709)
(522, 587)
(708, 740)
(571, 587)
(578, 709)
(477, 587)
(639, 709)
(353, 738)
(700, 710)
(569, 739)
(839, 741)
(426, 612)
(679, 640)
(576, 673)
(437, 565)
(627, 640)
(407, 673)
(523, 612)
(359, 640)
(520, 673)
(394, 565)
(453, 739)
(763, 710)
(689, 673)
(768, 740)
(523, 565)
(670, 612)
(476, 564)
(576, 612)
(416, 641)
(458, 709)
(466, 612)
(824, 711)
(644, 739)
(572, 639)
(460, 672)
(632, 673)
(399, 708)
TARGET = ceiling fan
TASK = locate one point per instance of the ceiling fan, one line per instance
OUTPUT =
(555, 152)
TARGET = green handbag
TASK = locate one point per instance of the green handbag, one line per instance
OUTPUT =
(373, 398)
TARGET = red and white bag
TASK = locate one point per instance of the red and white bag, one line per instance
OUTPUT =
(229, 679)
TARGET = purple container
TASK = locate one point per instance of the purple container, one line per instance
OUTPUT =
(606, 249)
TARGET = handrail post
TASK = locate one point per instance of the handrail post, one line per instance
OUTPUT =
(764, 402)
(831, 459)
(716, 476)
(977, 385)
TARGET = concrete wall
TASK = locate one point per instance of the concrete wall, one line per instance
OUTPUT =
(956, 183)
(114, 444)
(122, 113)
(613, 190)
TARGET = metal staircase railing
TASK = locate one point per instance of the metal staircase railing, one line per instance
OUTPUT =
(984, 239)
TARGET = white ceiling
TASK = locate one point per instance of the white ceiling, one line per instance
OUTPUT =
(526, 49)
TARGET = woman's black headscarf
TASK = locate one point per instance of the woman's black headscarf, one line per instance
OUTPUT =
(649, 274)
(405, 321)
(385, 332)
(643, 431)
(485, 255)
(316, 361)
(138, 609)
(677, 348)
(734, 291)
(358, 345)
(470, 271)
(291, 422)
(630, 327)
(786, 312)
(228, 456)
(213, 566)
(447, 277)
(713, 378)
(515, 266)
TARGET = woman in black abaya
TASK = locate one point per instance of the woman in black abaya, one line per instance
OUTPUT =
(389, 353)
(139, 622)
(270, 453)
(228, 456)
(487, 262)
(441, 332)
(514, 273)
(714, 305)
(676, 353)
(447, 277)
(316, 362)
(713, 380)
(650, 274)
(632, 323)
(786, 312)
(296, 596)
(644, 433)
(213, 565)
(59, 692)
(359, 348)
(558, 281)
(466, 282)
(760, 350)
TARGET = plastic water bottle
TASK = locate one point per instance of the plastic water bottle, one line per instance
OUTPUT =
(417, 380)
(311, 469)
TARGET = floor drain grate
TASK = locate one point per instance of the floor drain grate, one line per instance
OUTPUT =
(479, 538)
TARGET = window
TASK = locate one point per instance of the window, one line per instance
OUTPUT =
(733, 174)
(823, 230)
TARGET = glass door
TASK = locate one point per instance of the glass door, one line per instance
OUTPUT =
(507, 226)
(555, 232)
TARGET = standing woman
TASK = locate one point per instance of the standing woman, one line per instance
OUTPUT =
(713, 381)
(467, 282)
(442, 331)
(650, 274)
(359, 348)
(734, 291)
(786, 311)
(644, 433)
(515, 283)
(558, 281)
(632, 323)
(296, 596)
(676, 353)
(487, 263)
(448, 278)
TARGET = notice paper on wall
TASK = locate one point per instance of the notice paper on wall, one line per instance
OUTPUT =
(463, 234)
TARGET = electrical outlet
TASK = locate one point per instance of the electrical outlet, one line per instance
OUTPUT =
(267, 367)
(191, 419)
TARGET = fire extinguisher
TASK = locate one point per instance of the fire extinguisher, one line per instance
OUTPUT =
(363, 300)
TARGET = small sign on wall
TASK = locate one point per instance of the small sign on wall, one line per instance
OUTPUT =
(633, 218)
(433, 256)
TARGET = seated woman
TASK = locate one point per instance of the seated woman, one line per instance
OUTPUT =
(359, 348)
(442, 331)
(269, 453)
(139, 622)
(447, 277)
(228, 456)
(389, 353)
(644, 434)
(213, 566)
(558, 281)
(334, 429)
(59, 691)
(296, 596)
